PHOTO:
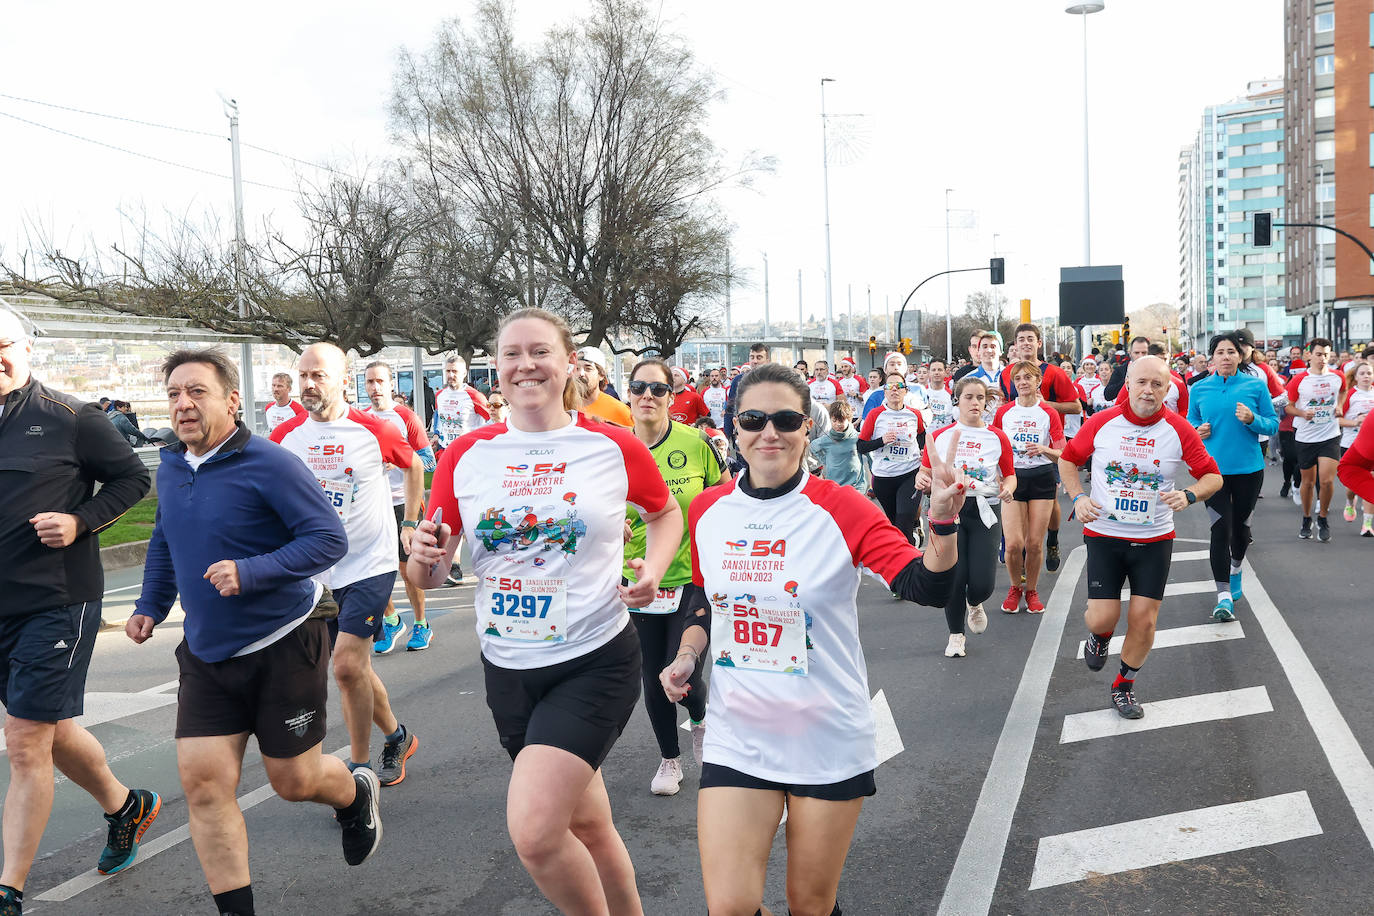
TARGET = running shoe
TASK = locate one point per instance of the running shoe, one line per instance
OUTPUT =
(1323, 529)
(977, 619)
(698, 740)
(390, 634)
(1052, 557)
(668, 779)
(1305, 532)
(1285, 490)
(956, 645)
(362, 832)
(126, 831)
(1013, 602)
(1123, 698)
(1297, 496)
(1033, 603)
(1237, 592)
(1095, 651)
(1002, 551)
(1349, 513)
(1367, 529)
(394, 757)
(455, 577)
(1224, 611)
(420, 636)
(10, 905)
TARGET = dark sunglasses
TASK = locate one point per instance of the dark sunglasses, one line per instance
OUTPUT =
(657, 389)
(784, 421)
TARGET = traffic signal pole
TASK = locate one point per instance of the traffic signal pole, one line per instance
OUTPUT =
(995, 268)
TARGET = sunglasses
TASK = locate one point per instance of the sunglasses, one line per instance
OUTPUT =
(896, 387)
(657, 389)
(784, 421)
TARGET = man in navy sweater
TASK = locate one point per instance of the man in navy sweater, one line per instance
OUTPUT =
(241, 527)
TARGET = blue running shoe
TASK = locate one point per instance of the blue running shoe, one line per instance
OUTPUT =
(1236, 592)
(126, 831)
(390, 634)
(1002, 551)
(420, 635)
(1224, 610)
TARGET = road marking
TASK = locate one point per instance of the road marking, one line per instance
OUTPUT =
(888, 740)
(1182, 636)
(1191, 555)
(1204, 707)
(974, 876)
(1343, 752)
(1173, 838)
(89, 879)
(107, 707)
(123, 588)
(161, 687)
(1200, 587)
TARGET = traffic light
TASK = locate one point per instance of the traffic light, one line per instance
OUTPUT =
(1262, 229)
(1116, 338)
(905, 346)
(1126, 329)
(872, 344)
(998, 268)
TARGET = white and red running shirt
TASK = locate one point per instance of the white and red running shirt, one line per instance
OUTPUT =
(1267, 375)
(1024, 426)
(902, 455)
(985, 455)
(825, 390)
(1320, 394)
(348, 457)
(458, 411)
(276, 415)
(1176, 400)
(544, 517)
(941, 406)
(789, 684)
(714, 397)
(1134, 461)
(1357, 403)
(408, 425)
(1092, 386)
(856, 390)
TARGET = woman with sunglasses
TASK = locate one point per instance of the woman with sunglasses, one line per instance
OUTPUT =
(984, 456)
(777, 553)
(892, 438)
(542, 499)
(689, 464)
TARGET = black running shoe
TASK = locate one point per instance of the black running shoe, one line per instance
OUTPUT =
(1323, 529)
(1052, 557)
(1305, 532)
(121, 846)
(9, 904)
(1123, 698)
(362, 833)
(1095, 651)
(394, 757)
(1285, 490)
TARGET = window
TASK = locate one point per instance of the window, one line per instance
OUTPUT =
(1371, 150)
(1221, 281)
(1326, 192)
(1326, 22)
(1252, 127)
(1221, 245)
(1371, 209)
(1371, 90)
(1326, 149)
(1221, 154)
(1221, 173)
(1324, 106)
(1221, 208)
(1252, 150)
(1371, 44)
(1221, 262)
(1325, 64)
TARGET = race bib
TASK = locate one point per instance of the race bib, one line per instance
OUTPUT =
(1323, 414)
(1134, 507)
(339, 494)
(531, 610)
(665, 602)
(753, 638)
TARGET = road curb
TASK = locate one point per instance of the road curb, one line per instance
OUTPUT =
(123, 556)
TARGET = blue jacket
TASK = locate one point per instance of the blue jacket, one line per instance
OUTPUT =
(254, 503)
(1233, 444)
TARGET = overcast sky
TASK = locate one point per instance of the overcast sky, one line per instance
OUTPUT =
(984, 98)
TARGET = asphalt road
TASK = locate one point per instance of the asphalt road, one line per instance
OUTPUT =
(1016, 789)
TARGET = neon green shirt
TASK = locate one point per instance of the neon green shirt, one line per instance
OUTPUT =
(689, 464)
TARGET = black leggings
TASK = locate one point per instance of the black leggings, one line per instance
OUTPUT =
(1288, 449)
(975, 575)
(901, 501)
(659, 638)
(1230, 509)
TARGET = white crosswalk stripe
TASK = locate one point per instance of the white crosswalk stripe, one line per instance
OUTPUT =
(1206, 707)
(1173, 637)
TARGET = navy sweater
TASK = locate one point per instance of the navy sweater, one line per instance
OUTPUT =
(254, 503)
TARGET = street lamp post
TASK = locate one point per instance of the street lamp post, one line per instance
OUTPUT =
(949, 299)
(825, 178)
(1084, 9)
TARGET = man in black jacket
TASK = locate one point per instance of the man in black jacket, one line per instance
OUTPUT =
(1140, 346)
(53, 449)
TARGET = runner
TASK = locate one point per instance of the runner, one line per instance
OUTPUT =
(984, 457)
(854, 386)
(1231, 410)
(975, 348)
(562, 684)
(937, 396)
(51, 588)
(592, 369)
(458, 407)
(1036, 435)
(892, 438)
(1091, 385)
(838, 452)
(240, 529)
(379, 379)
(688, 464)
(804, 741)
(714, 397)
(758, 355)
(1128, 516)
(1313, 399)
(825, 388)
(282, 407)
(892, 363)
(1357, 465)
(1253, 364)
(1359, 400)
(348, 451)
(687, 407)
(989, 365)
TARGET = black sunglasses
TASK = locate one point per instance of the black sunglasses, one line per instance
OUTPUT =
(657, 389)
(784, 421)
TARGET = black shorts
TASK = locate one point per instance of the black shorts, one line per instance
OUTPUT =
(43, 661)
(580, 705)
(1113, 561)
(1036, 483)
(714, 775)
(1309, 452)
(400, 517)
(362, 605)
(277, 693)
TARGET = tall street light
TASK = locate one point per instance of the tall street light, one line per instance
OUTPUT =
(825, 178)
(1083, 9)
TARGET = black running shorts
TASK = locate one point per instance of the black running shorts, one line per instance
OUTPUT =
(580, 705)
(43, 661)
(277, 693)
(1112, 562)
(362, 605)
(714, 775)
(1036, 483)
(1309, 452)
(400, 510)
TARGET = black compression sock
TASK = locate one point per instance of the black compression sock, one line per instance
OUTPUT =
(1052, 537)
(127, 808)
(238, 902)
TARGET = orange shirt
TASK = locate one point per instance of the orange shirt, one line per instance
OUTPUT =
(609, 409)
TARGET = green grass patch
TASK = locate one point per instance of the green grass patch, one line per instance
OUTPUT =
(134, 525)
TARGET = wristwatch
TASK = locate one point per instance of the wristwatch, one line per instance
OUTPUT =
(410, 523)
(1192, 497)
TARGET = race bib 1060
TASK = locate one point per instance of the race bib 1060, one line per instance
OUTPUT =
(1134, 507)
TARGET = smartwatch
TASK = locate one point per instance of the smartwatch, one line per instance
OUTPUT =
(1192, 497)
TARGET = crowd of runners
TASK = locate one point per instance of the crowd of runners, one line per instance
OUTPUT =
(699, 543)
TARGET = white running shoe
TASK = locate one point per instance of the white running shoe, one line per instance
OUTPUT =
(977, 619)
(955, 649)
(668, 779)
(698, 739)
(1297, 496)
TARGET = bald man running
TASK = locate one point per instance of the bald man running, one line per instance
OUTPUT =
(1128, 518)
(348, 451)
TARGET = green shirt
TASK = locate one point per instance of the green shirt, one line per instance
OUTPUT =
(689, 464)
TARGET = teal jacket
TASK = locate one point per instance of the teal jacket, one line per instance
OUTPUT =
(1233, 444)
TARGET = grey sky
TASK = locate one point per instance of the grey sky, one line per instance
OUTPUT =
(984, 98)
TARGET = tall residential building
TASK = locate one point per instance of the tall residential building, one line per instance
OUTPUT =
(1233, 168)
(1329, 117)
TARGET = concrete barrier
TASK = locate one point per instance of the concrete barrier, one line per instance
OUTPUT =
(122, 556)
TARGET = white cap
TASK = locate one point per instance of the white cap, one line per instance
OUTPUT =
(593, 355)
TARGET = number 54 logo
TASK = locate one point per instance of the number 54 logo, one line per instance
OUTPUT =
(764, 548)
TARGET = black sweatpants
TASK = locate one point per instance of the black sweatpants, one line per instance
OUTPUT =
(1288, 449)
(901, 501)
(975, 575)
(1229, 509)
(659, 638)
